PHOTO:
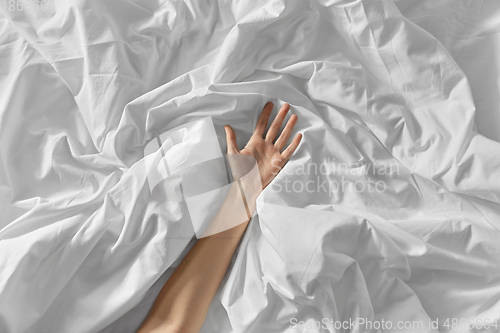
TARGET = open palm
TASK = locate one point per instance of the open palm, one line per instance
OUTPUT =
(268, 153)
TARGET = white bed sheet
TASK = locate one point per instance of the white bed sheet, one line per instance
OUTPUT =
(470, 32)
(87, 84)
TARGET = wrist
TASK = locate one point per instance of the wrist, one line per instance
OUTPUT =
(237, 209)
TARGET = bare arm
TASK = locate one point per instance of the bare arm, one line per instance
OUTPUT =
(182, 304)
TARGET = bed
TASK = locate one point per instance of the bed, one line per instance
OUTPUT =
(401, 98)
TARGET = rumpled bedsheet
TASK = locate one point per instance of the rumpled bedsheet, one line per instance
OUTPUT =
(86, 84)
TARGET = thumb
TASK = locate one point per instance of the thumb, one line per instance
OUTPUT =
(232, 145)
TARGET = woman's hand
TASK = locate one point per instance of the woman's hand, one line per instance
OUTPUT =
(268, 153)
(183, 302)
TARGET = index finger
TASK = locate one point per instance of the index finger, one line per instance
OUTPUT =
(264, 117)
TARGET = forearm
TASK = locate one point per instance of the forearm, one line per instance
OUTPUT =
(182, 304)
(184, 300)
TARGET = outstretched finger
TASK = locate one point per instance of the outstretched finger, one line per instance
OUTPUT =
(276, 125)
(288, 152)
(232, 145)
(264, 117)
(280, 143)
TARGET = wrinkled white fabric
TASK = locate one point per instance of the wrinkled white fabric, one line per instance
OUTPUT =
(85, 85)
(470, 32)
